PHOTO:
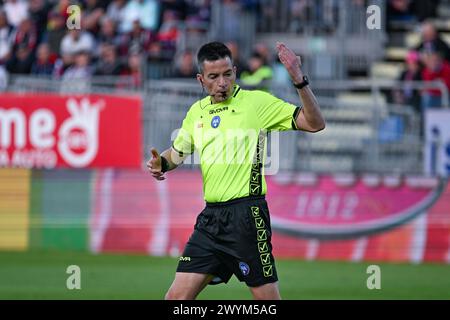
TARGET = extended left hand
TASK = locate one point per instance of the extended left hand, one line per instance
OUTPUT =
(291, 61)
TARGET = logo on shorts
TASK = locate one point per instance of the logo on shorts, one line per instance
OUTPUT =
(215, 122)
(245, 269)
(185, 258)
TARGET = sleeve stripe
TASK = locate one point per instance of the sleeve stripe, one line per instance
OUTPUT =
(180, 153)
(294, 118)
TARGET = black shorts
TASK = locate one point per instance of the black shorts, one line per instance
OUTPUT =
(229, 238)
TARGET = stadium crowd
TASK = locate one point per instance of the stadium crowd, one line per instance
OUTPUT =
(429, 61)
(116, 37)
(112, 39)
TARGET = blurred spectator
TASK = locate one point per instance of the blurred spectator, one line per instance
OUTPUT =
(263, 50)
(132, 74)
(39, 10)
(16, 11)
(6, 32)
(138, 39)
(23, 45)
(436, 68)
(407, 95)
(154, 53)
(61, 8)
(92, 12)
(234, 48)
(108, 31)
(81, 69)
(400, 10)
(108, 64)
(259, 74)
(116, 11)
(199, 11)
(431, 41)
(185, 66)
(168, 34)
(178, 7)
(25, 35)
(145, 11)
(21, 61)
(56, 30)
(43, 65)
(75, 41)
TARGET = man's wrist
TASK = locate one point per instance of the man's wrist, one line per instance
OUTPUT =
(298, 77)
(164, 165)
(302, 83)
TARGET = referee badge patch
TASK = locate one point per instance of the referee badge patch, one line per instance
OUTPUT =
(215, 122)
(245, 269)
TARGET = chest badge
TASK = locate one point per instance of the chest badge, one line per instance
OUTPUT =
(215, 122)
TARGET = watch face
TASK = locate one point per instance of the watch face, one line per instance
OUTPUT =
(304, 83)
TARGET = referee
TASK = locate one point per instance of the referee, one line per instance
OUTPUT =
(232, 235)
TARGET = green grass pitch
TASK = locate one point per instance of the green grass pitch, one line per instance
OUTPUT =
(42, 275)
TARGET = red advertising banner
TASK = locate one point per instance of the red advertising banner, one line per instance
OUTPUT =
(50, 130)
(352, 218)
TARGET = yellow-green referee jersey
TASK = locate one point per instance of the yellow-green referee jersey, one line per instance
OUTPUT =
(230, 139)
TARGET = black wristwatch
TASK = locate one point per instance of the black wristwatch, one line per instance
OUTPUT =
(302, 84)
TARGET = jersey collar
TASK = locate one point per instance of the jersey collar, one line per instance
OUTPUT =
(235, 91)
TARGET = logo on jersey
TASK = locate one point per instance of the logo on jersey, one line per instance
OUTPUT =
(218, 110)
(215, 122)
(245, 269)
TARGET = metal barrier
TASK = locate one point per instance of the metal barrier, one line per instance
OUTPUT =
(331, 36)
(314, 17)
(365, 132)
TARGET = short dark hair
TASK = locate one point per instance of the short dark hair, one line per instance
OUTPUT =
(212, 51)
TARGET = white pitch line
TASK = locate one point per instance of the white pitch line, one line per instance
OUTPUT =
(160, 236)
(312, 249)
(359, 249)
(419, 239)
(98, 229)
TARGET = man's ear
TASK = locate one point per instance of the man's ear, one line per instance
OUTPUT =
(200, 79)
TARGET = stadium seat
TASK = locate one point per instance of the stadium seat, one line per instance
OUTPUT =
(386, 70)
(412, 39)
(358, 100)
(396, 53)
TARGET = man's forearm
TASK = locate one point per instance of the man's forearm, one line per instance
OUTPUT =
(311, 110)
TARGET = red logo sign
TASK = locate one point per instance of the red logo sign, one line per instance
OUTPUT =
(48, 131)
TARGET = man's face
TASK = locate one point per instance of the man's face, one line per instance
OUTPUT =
(218, 78)
(428, 32)
(433, 61)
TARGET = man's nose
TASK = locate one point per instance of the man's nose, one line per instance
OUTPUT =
(221, 81)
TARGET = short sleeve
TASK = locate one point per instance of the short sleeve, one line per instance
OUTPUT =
(276, 114)
(184, 143)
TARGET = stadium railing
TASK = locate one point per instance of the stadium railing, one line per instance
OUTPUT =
(365, 132)
(331, 36)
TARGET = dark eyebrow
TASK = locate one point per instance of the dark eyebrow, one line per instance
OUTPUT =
(215, 74)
